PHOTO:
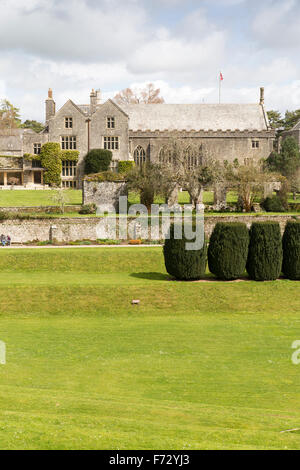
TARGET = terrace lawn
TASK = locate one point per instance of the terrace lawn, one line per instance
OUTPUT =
(195, 366)
(35, 198)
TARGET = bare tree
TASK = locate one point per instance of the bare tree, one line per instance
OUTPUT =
(188, 165)
(148, 95)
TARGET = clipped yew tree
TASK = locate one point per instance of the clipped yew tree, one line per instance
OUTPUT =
(291, 250)
(97, 160)
(51, 162)
(265, 251)
(228, 250)
(183, 264)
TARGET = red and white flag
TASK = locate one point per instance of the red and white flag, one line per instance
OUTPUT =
(221, 76)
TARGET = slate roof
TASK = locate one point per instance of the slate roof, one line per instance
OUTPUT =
(196, 117)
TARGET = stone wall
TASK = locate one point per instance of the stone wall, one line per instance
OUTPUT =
(104, 194)
(92, 228)
(11, 163)
(221, 145)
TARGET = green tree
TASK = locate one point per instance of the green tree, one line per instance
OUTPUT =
(9, 116)
(287, 162)
(97, 160)
(34, 125)
(291, 118)
(275, 119)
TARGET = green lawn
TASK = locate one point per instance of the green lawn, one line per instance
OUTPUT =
(35, 198)
(195, 366)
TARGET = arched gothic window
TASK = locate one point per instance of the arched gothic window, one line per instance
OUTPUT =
(139, 156)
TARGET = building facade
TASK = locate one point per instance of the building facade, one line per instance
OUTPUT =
(136, 132)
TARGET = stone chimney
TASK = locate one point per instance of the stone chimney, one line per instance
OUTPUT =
(93, 101)
(98, 97)
(262, 96)
(50, 106)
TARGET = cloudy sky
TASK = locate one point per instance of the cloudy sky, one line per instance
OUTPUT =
(180, 45)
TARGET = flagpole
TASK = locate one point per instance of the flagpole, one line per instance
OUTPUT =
(220, 88)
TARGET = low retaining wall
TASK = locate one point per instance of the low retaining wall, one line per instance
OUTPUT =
(38, 209)
(92, 228)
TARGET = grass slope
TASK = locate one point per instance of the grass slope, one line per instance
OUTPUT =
(196, 365)
(35, 198)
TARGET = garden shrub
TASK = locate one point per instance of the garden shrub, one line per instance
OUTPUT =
(51, 161)
(265, 251)
(88, 209)
(97, 160)
(228, 250)
(291, 250)
(109, 176)
(125, 166)
(273, 204)
(181, 263)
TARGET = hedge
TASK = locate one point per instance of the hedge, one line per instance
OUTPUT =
(228, 250)
(291, 251)
(181, 263)
(265, 251)
(97, 160)
(124, 166)
(51, 161)
(105, 176)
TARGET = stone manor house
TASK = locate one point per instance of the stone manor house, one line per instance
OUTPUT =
(134, 132)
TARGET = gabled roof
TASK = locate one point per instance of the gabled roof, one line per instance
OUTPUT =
(73, 104)
(196, 117)
(296, 127)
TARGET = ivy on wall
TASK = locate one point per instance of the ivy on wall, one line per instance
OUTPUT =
(72, 155)
(51, 160)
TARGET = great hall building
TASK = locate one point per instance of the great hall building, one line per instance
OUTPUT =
(134, 132)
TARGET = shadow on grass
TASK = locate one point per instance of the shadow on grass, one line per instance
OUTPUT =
(151, 276)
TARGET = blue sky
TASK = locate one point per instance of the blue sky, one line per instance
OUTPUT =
(180, 46)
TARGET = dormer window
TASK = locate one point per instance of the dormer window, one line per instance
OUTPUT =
(110, 122)
(68, 123)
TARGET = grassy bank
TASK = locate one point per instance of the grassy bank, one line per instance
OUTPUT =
(196, 365)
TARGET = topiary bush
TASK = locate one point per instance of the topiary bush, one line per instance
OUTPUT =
(51, 160)
(265, 251)
(181, 263)
(273, 204)
(291, 250)
(228, 250)
(97, 160)
(124, 166)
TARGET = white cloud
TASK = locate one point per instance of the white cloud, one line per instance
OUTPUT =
(77, 45)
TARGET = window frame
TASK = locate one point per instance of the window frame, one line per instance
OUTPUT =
(69, 168)
(110, 122)
(111, 143)
(68, 122)
(68, 142)
(37, 147)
